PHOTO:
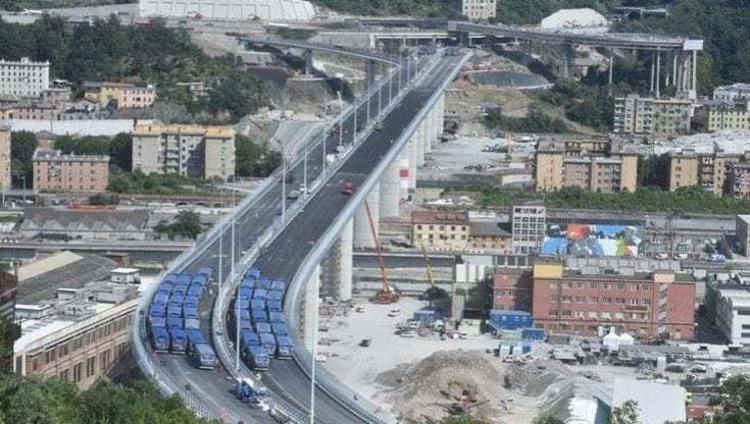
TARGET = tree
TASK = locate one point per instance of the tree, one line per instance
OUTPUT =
(254, 160)
(626, 414)
(547, 419)
(22, 146)
(187, 225)
(121, 151)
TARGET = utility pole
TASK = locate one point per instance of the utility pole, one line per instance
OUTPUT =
(341, 127)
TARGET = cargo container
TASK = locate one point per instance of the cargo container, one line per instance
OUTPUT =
(258, 304)
(257, 358)
(278, 285)
(533, 334)
(276, 317)
(158, 322)
(159, 339)
(275, 295)
(203, 356)
(253, 272)
(426, 316)
(259, 315)
(268, 341)
(190, 312)
(249, 337)
(279, 329)
(192, 324)
(263, 284)
(206, 272)
(194, 337)
(193, 301)
(160, 299)
(260, 294)
(275, 306)
(177, 340)
(157, 310)
(262, 327)
(174, 311)
(175, 322)
(285, 347)
(510, 320)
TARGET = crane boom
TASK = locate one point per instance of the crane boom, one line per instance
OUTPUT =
(387, 295)
(430, 277)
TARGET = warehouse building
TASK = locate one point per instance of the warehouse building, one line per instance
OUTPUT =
(265, 10)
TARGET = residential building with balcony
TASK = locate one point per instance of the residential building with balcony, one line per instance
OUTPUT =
(728, 116)
(56, 172)
(648, 116)
(717, 171)
(528, 226)
(23, 78)
(439, 230)
(732, 93)
(479, 10)
(659, 305)
(193, 151)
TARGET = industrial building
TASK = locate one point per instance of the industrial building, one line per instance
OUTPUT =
(648, 116)
(192, 151)
(590, 302)
(62, 224)
(23, 78)
(439, 230)
(728, 304)
(55, 172)
(606, 168)
(479, 10)
(528, 226)
(725, 115)
(732, 93)
(236, 10)
(5, 176)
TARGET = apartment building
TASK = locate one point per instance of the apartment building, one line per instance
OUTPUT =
(81, 337)
(728, 116)
(646, 306)
(490, 237)
(648, 116)
(54, 171)
(5, 176)
(120, 95)
(732, 93)
(718, 171)
(438, 230)
(189, 150)
(606, 167)
(528, 226)
(23, 78)
(479, 10)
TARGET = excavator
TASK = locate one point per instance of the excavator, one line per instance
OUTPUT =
(433, 292)
(388, 294)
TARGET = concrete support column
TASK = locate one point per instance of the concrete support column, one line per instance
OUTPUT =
(431, 133)
(311, 308)
(412, 163)
(371, 73)
(308, 62)
(421, 140)
(363, 238)
(658, 71)
(441, 115)
(674, 69)
(611, 69)
(653, 68)
(404, 173)
(694, 84)
(390, 187)
(345, 261)
(568, 58)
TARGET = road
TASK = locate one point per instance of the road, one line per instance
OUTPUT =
(285, 378)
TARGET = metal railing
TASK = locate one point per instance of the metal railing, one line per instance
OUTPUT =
(323, 378)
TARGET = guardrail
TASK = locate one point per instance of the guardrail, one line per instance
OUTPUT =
(221, 339)
(324, 379)
(307, 45)
(139, 332)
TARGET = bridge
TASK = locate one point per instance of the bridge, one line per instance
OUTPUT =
(279, 236)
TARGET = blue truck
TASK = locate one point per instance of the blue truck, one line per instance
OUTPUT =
(206, 272)
(194, 337)
(184, 278)
(245, 291)
(192, 324)
(278, 285)
(176, 299)
(258, 304)
(174, 311)
(259, 315)
(257, 358)
(246, 324)
(203, 356)
(189, 311)
(179, 290)
(157, 310)
(268, 341)
(195, 291)
(274, 295)
(160, 299)
(260, 294)
(279, 329)
(275, 306)
(178, 340)
(160, 339)
(263, 284)
(175, 322)
(276, 317)
(262, 327)
(158, 322)
(253, 272)
(285, 347)
(249, 337)
(164, 288)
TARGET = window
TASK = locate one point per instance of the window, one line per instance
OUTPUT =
(65, 374)
(104, 360)
(77, 372)
(553, 312)
(90, 366)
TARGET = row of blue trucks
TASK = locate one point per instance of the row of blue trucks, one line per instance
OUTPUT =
(262, 325)
(174, 317)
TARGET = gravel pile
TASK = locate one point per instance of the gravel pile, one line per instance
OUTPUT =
(534, 378)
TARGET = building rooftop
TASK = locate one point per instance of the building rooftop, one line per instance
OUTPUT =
(207, 131)
(439, 217)
(657, 402)
(45, 277)
(58, 156)
(59, 220)
(488, 229)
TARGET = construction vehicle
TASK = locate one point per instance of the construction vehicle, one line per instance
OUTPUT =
(433, 292)
(348, 189)
(388, 294)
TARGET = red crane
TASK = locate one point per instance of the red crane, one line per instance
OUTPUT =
(388, 294)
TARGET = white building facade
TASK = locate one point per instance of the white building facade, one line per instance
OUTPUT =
(729, 305)
(732, 93)
(273, 10)
(23, 78)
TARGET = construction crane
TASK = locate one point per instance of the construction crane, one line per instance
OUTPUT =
(433, 292)
(388, 294)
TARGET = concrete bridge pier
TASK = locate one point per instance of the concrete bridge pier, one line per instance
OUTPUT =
(390, 191)
(371, 73)
(308, 62)
(413, 163)
(363, 238)
(421, 140)
(310, 310)
(404, 173)
(345, 261)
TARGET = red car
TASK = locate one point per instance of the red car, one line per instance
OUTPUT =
(348, 189)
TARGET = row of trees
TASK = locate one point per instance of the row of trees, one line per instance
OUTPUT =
(186, 225)
(145, 54)
(535, 122)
